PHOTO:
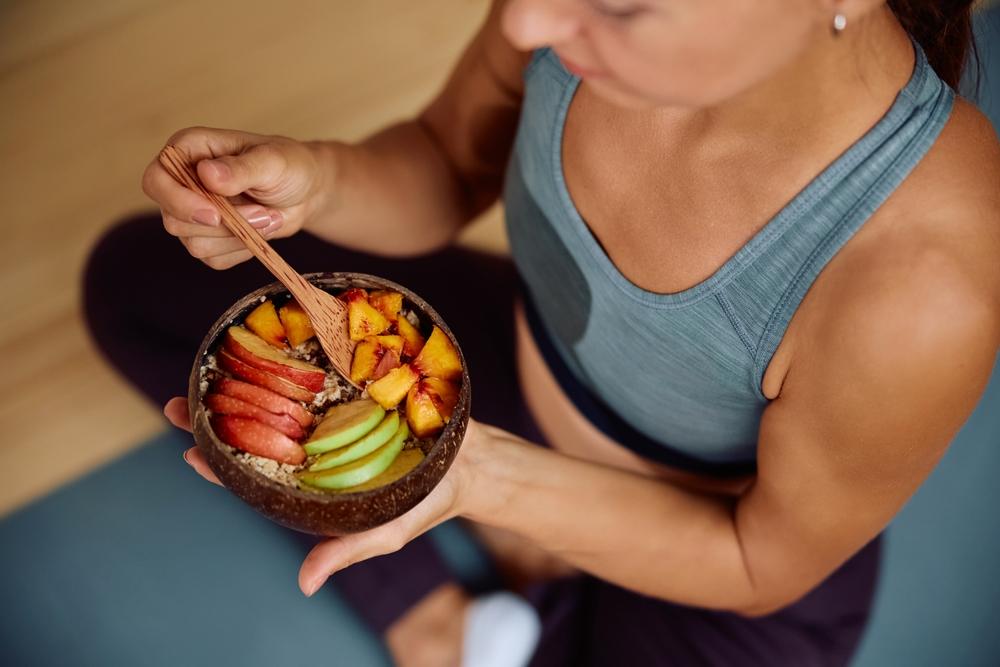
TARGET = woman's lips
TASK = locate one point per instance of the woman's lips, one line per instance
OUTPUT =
(577, 70)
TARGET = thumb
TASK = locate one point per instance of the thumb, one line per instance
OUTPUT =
(258, 168)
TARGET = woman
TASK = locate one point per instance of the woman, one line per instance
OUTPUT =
(758, 243)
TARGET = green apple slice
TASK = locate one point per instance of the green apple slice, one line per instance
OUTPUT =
(362, 470)
(366, 445)
(407, 460)
(343, 424)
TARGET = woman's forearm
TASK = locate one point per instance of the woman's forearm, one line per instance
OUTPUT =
(640, 533)
(393, 194)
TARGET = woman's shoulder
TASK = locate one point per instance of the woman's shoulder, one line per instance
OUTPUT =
(924, 273)
(949, 207)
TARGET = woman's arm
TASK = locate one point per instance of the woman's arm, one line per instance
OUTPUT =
(411, 187)
(862, 418)
(890, 374)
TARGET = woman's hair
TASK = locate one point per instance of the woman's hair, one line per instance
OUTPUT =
(943, 28)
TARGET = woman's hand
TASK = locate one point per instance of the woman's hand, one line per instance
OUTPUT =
(444, 502)
(275, 182)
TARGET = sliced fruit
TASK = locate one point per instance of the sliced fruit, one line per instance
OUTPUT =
(263, 321)
(227, 405)
(298, 328)
(262, 378)
(407, 460)
(252, 349)
(389, 361)
(256, 438)
(438, 358)
(392, 342)
(421, 413)
(362, 470)
(354, 294)
(444, 394)
(264, 398)
(343, 424)
(391, 389)
(367, 355)
(364, 320)
(413, 342)
(387, 302)
(377, 437)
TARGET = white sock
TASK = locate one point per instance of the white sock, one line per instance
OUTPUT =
(501, 630)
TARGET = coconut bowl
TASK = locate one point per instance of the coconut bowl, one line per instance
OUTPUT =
(321, 513)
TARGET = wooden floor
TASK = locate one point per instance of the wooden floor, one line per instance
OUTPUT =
(91, 90)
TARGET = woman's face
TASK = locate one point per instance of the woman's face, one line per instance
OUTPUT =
(690, 53)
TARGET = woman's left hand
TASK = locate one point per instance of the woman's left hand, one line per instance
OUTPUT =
(443, 503)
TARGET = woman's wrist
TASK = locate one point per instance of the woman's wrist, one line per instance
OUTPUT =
(483, 458)
(327, 158)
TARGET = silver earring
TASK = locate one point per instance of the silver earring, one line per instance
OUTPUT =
(839, 23)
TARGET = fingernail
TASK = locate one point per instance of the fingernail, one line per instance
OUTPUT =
(221, 169)
(185, 456)
(206, 216)
(259, 218)
(315, 586)
(270, 230)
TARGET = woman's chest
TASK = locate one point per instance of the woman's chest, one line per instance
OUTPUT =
(667, 209)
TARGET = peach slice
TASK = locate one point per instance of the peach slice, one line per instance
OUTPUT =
(298, 328)
(391, 342)
(391, 389)
(367, 355)
(252, 350)
(438, 358)
(264, 322)
(421, 413)
(264, 398)
(353, 294)
(364, 320)
(444, 394)
(258, 439)
(387, 302)
(412, 340)
(227, 405)
(261, 378)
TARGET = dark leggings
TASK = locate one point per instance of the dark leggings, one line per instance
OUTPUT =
(148, 305)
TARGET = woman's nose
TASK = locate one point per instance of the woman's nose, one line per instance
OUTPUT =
(531, 24)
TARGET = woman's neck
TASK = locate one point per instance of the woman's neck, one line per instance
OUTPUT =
(838, 87)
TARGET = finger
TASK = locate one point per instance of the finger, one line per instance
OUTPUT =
(176, 199)
(209, 247)
(197, 143)
(194, 459)
(259, 218)
(201, 143)
(335, 554)
(228, 260)
(176, 412)
(258, 167)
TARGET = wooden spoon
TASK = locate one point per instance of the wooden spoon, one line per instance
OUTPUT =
(327, 313)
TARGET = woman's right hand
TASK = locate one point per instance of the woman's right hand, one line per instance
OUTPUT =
(276, 183)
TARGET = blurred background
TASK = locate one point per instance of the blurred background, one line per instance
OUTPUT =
(95, 503)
